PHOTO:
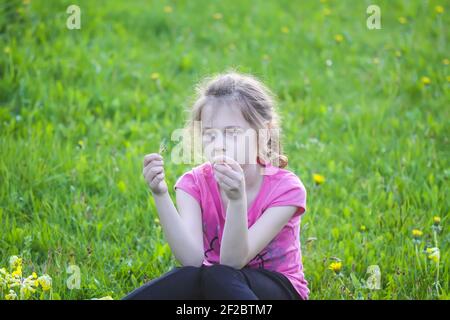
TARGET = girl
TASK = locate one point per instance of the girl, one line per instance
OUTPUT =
(236, 231)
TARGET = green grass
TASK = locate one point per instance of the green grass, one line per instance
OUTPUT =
(79, 110)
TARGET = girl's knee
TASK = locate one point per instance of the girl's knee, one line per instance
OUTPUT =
(224, 282)
(187, 271)
(218, 273)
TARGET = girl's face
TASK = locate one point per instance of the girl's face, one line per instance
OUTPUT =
(225, 131)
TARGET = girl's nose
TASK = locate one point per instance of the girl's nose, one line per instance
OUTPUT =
(219, 143)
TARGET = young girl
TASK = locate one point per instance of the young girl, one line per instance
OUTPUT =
(236, 230)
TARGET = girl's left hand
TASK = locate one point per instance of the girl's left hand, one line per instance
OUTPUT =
(230, 176)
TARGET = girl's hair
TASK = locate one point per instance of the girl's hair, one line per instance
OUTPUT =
(256, 102)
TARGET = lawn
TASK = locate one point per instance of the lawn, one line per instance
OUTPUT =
(364, 126)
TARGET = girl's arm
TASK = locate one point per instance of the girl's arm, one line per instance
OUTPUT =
(264, 230)
(182, 232)
(234, 248)
(239, 246)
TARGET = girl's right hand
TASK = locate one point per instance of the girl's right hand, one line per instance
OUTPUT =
(154, 173)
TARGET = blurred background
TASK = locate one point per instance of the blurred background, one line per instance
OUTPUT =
(365, 126)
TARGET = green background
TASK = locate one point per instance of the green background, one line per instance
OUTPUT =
(79, 109)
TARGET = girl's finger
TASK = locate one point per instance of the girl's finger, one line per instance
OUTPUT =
(228, 172)
(154, 170)
(159, 177)
(145, 170)
(155, 182)
(224, 179)
(150, 157)
(151, 165)
(155, 163)
(232, 163)
(150, 173)
(223, 186)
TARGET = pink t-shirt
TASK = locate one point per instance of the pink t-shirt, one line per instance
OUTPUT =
(280, 187)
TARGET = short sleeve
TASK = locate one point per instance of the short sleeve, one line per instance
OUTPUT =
(187, 182)
(290, 192)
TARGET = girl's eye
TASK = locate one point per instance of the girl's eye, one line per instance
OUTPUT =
(209, 135)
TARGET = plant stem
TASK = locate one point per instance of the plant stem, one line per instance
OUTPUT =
(417, 257)
(435, 238)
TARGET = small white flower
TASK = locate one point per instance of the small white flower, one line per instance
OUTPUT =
(11, 296)
(14, 261)
(45, 281)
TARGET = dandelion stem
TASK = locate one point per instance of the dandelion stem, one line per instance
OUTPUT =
(417, 257)
(343, 285)
(435, 238)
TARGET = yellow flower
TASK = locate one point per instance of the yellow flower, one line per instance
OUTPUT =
(122, 186)
(14, 262)
(318, 179)
(168, 9)
(45, 281)
(27, 287)
(425, 80)
(402, 20)
(34, 275)
(339, 38)
(217, 16)
(17, 272)
(436, 220)
(11, 296)
(363, 228)
(434, 254)
(417, 233)
(434, 258)
(439, 9)
(446, 61)
(285, 29)
(336, 266)
(155, 76)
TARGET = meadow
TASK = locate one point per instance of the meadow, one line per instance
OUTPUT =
(364, 126)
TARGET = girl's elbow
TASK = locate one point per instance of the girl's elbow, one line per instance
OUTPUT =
(196, 264)
(192, 260)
